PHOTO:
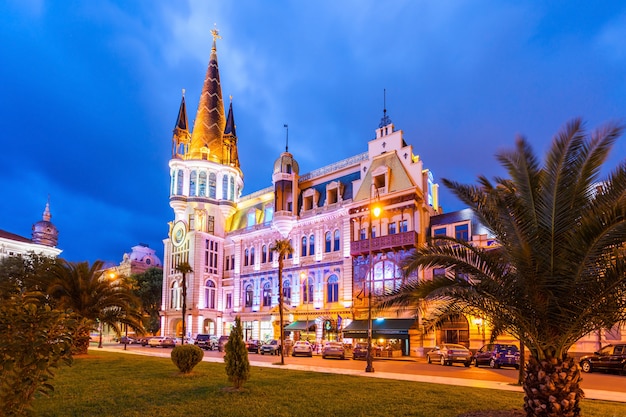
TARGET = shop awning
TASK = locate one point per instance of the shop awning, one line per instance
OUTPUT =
(300, 325)
(381, 328)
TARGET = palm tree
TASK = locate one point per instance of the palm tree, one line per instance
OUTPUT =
(560, 270)
(93, 298)
(184, 268)
(283, 248)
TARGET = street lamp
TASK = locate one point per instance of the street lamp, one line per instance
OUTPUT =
(376, 211)
(480, 324)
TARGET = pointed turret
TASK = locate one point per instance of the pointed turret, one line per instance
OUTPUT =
(208, 128)
(181, 136)
(230, 154)
(44, 232)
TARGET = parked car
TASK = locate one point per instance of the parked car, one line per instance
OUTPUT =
(333, 350)
(253, 346)
(127, 340)
(221, 342)
(302, 347)
(359, 351)
(206, 341)
(497, 354)
(161, 341)
(449, 353)
(609, 358)
(272, 347)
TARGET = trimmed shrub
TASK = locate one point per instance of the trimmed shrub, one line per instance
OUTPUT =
(186, 357)
(236, 357)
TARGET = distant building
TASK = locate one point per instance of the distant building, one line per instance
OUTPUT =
(45, 237)
(226, 237)
(139, 260)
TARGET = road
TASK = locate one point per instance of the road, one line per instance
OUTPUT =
(414, 366)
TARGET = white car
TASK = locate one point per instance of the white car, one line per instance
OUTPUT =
(302, 347)
(162, 342)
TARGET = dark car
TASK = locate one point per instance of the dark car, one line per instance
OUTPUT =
(221, 342)
(253, 346)
(126, 340)
(449, 353)
(497, 354)
(359, 351)
(162, 342)
(272, 347)
(609, 358)
(206, 341)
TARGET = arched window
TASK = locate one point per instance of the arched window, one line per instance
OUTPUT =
(180, 176)
(307, 291)
(225, 187)
(210, 293)
(311, 245)
(387, 277)
(337, 240)
(271, 256)
(212, 185)
(202, 184)
(251, 256)
(327, 246)
(303, 248)
(173, 184)
(332, 289)
(232, 188)
(249, 295)
(267, 294)
(192, 183)
(263, 254)
(290, 254)
(176, 296)
(287, 292)
(245, 257)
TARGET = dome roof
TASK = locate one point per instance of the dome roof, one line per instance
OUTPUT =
(286, 164)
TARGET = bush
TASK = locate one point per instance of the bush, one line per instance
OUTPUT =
(34, 339)
(236, 357)
(186, 357)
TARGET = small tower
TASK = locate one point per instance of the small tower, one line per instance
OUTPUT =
(285, 178)
(44, 232)
(181, 136)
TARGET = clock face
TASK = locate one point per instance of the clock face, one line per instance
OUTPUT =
(178, 233)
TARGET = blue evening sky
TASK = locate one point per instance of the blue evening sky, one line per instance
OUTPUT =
(89, 93)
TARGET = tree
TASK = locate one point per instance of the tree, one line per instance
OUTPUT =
(148, 287)
(560, 270)
(236, 356)
(184, 268)
(93, 298)
(34, 336)
(283, 248)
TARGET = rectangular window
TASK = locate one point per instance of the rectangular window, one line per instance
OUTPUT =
(404, 226)
(392, 229)
(229, 301)
(373, 232)
(363, 234)
(461, 232)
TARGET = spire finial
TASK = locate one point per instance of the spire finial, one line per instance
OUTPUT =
(385, 119)
(46, 212)
(183, 93)
(286, 126)
(216, 34)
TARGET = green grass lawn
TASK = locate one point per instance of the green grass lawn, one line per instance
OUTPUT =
(116, 384)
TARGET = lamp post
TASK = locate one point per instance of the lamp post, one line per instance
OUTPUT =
(376, 210)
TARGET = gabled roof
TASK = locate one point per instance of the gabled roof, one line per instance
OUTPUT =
(399, 178)
(12, 236)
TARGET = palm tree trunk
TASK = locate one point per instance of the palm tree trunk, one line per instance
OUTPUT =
(280, 309)
(552, 388)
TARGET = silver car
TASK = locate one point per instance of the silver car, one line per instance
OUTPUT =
(302, 347)
(449, 353)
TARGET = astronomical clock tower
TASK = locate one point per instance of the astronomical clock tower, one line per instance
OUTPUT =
(205, 185)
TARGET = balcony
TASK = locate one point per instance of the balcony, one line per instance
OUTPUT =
(404, 240)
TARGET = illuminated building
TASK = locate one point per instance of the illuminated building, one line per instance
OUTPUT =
(226, 237)
(45, 237)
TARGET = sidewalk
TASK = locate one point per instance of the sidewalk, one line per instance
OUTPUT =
(590, 394)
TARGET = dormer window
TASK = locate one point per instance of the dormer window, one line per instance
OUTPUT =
(334, 191)
(310, 199)
(380, 179)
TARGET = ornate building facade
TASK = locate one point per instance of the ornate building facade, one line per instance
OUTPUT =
(44, 240)
(342, 250)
